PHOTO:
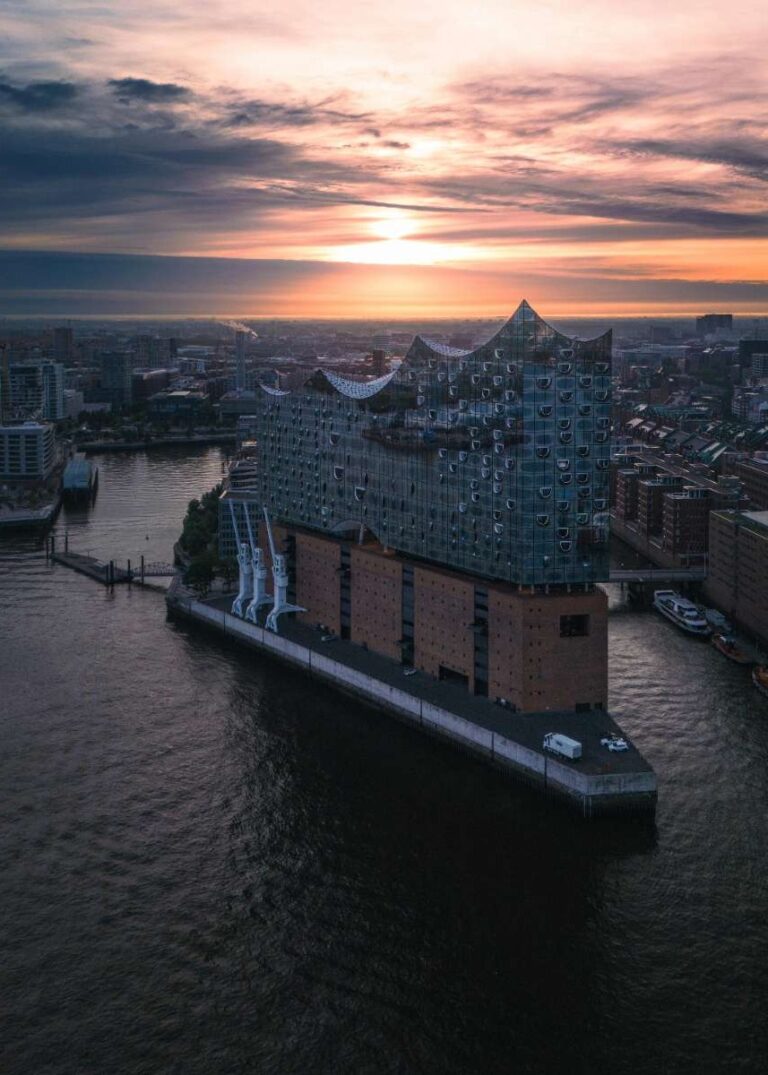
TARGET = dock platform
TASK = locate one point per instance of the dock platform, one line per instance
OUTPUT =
(599, 782)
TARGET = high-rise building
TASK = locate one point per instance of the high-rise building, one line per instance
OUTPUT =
(36, 389)
(27, 451)
(240, 384)
(63, 343)
(116, 378)
(714, 324)
(453, 514)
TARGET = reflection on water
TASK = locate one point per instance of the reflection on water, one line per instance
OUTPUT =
(210, 865)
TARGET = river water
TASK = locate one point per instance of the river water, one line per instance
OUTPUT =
(209, 864)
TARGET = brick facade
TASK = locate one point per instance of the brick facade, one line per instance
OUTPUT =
(376, 600)
(533, 665)
(444, 611)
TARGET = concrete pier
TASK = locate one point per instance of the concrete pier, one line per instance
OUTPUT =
(599, 782)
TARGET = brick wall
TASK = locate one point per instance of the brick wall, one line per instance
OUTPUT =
(444, 609)
(532, 665)
(317, 580)
(376, 600)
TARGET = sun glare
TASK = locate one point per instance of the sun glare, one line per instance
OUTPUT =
(394, 226)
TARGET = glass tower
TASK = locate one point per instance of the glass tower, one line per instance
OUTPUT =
(492, 461)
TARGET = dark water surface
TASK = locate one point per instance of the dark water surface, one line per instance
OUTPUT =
(209, 864)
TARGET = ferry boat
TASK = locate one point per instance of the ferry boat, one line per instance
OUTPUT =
(682, 612)
(760, 678)
(726, 644)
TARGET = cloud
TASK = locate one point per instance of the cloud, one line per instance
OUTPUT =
(38, 96)
(128, 90)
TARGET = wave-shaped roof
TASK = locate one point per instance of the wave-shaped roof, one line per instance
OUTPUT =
(357, 389)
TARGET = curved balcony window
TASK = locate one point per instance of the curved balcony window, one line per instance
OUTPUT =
(442, 453)
(359, 492)
(585, 492)
(432, 414)
(511, 367)
(475, 498)
(582, 450)
(498, 434)
(497, 487)
(498, 448)
(583, 518)
(563, 464)
(542, 453)
(582, 479)
(452, 468)
(441, 376)
(543, 382)
(463, 405)
(499, 408)
(585, 409)
(602, 437)
(510, 423)
(338, 473)
(565, 546)
(603, 423)
(453, 418)
(601, 504)
(485, 472)
(542, 520)
(462, 507)
(475, 445)
(601, 367)
(564, 367)
(564, 423)
(474, 484)
(585, 381)
(545, 410)
(510, 395)
(498, 528)
(566, 438)
(333, 439)
(565, 479)
(563, 532)
(602, 395)
(462, 457)
(545, 491)
(602, 464)
(485, 393)
(511, 505)
(566, 397)
(453, 391)
(488, 366)
(510, 463)
(498, 475)
(563, 506)
(475, 378)
(473, 431)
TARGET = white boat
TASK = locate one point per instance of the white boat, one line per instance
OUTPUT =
(716, 620)
(682, 612)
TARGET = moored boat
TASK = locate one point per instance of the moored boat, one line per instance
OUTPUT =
(726, 644)
(716, 620)
(760, 678)
(682, 612)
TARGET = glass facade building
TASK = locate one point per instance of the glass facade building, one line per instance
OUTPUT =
(492, 461)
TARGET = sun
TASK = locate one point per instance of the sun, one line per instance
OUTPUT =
(396, 225)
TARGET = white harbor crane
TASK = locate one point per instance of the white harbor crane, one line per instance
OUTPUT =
(280, 580)
(259, 568)
(244, 560)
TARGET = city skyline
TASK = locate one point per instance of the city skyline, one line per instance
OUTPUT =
(384, 163)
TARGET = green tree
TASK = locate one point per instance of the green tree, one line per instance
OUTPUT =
(199, 576)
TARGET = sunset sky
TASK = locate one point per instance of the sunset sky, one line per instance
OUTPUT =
(384, 159)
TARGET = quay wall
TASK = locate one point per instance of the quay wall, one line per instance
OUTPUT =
(591, 793)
